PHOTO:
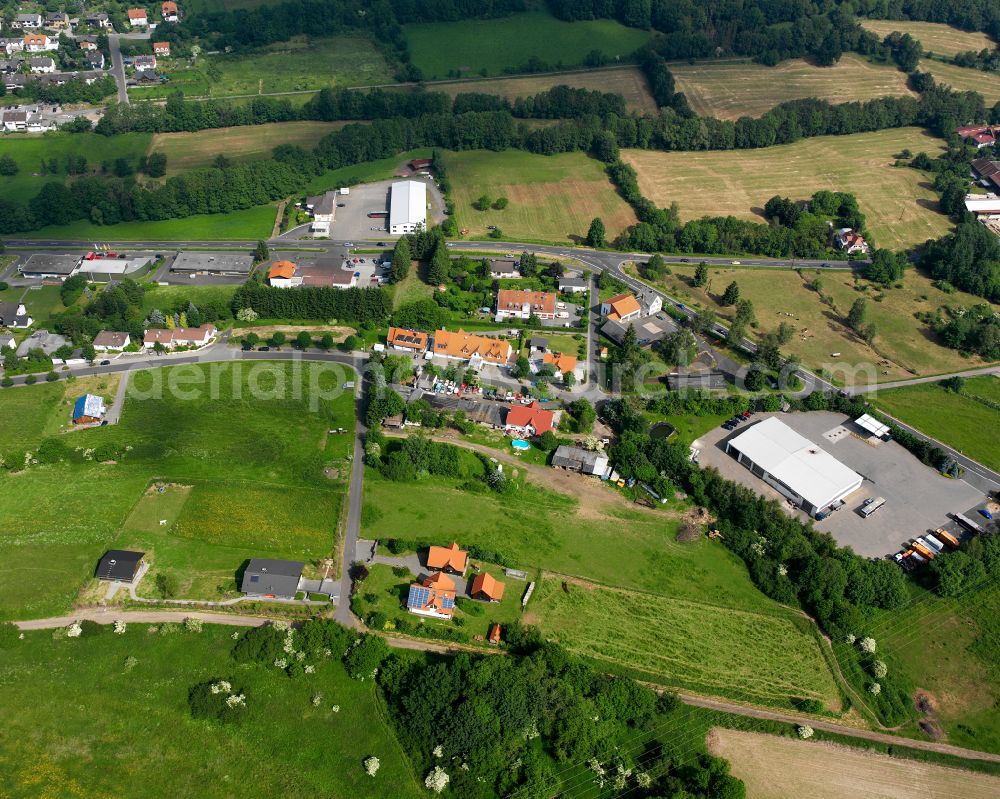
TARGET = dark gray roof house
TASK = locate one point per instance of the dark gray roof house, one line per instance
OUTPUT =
(578, 459)
(697, 380)
(119, 564)
(538, 343)
(272, 578)
(505, 267)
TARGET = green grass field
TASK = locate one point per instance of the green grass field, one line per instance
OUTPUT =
(254, 452)
(251, 223)
(148, 744)
(551, 197)
(903, 346)
(30, 150)
(899, 203)
(492, 45)
(957, 420)
(299, 64)
(702, 647)
(167, 298)
(193, 150)
(731, 89)
(935, 37)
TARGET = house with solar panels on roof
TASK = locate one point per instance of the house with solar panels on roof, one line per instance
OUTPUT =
(434, 597)
(406, 340)
(89, 409)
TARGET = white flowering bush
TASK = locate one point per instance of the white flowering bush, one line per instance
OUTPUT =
(74, 630)
(850, 638)
(879, 669)
(281, 663)
(217, 700)
(372, 765)
(874, 689)
(643, 780)
(783, 570)
(316, 699)
(804, 731)
(246, 315)
(531, 731)
(309, 668)
(131, 662)
(438, 751)
(335, 708)
(867, 645)
(120, 627)
(437, 779)
(235, 636)
(192, 625)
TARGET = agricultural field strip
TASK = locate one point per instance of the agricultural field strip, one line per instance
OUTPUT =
(638, 614)
(933, 36)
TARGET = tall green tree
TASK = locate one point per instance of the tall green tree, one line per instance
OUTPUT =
(701, 274)
(437, 269)
(731, 294)
(400, 261)
(856, 316)
(596, 234)
(261, 252)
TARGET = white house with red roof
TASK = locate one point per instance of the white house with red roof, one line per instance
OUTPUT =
(137, 18)
(850, 241)
(179, 337)
(529, 420)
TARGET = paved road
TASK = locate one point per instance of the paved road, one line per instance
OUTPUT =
(355, 497)
(984, 370)
(118, 67)
(114, 413)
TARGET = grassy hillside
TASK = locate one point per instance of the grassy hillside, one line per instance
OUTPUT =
(150, 746)
(489, 46)
(899, 203)
(232, 491)
(964, 79)
(902, 348)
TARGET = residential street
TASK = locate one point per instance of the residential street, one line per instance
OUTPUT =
(118, 67)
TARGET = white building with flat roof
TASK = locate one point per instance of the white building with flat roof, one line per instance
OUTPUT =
(790, 463)
(407, 207)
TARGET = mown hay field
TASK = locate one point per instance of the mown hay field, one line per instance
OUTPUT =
(935, 37)
(551, 197)
(899, 202)
(731, 89)
(773, 767)
(629, 82)
(964, 79)
(195, 150)
(702, 647)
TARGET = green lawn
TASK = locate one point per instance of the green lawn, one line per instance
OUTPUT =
(29, 151)
(170, 298)
(86, 726)
(490, 46)
(251, 223)
(184, 78)
(550, 197)
(411, 289)
(767, 658)
(959, 421)
(268, 480)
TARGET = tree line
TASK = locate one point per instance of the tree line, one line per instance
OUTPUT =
(355, 304)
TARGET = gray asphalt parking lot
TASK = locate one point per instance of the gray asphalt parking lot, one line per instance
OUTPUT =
(918, 499)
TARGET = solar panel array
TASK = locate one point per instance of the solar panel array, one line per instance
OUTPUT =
(447, 602)
(418, 596)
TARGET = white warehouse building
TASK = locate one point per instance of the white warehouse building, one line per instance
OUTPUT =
(800, 470)
(407, 207)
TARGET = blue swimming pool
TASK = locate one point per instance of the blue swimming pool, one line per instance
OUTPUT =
(520, 443)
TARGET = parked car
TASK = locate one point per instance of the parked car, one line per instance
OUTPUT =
(263, 349)
(105, 363)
